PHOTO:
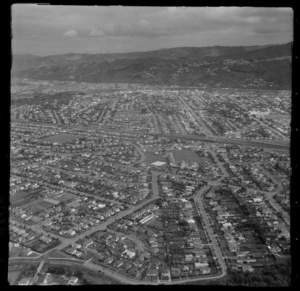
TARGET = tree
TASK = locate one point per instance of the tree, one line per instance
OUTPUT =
(269, 280)
(58, 270)
(259, 284)
(78, 274)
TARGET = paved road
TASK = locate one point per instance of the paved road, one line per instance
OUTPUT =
(198, 199)
(36, 228)
(57, 117)
(71, 190)
(102, 227)
(38, 260)
(139, 244)
(109, 273)
(126, 280)
(269, 196)
(273, 144)
(221, 166)
(88, 175)
(179, 125)
(120, 215)
(196, 116)
(274, 131)
(67, 241)
(154, 184)
(140, 151)
(101, 116)
(215, 245)
(37, 272)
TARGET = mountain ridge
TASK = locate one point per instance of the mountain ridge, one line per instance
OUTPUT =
(231, 66)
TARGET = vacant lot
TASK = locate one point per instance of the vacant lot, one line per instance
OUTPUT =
(99, 279)
(156, 224)
(278, 116)
(13, 276)
(187, 156)
(62, 138)
(151, 158)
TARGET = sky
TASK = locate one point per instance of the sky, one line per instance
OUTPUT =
(49, 30)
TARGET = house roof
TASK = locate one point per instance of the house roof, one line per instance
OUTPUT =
(158, 163)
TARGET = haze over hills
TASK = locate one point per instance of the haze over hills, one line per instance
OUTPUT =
(240, 66)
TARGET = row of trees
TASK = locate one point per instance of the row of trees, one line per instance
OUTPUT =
(277, 275)
(69, 272)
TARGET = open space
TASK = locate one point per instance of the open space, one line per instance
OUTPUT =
(13, 276)
(62, 138)
(151, 158)
(187, 156)
(136, 162)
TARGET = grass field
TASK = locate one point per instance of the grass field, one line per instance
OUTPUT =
(62, 138)
(58, 254)
(186, 155)
(216, 282)
(37, 206)
(151, 158)
(99, 279)
(278, 116)
(91, 276)
(156, 224)
(16, 252)
(13, 276)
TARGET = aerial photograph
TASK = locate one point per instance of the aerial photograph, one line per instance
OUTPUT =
(150, 145)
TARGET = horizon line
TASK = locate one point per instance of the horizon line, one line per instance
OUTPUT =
(132, 52)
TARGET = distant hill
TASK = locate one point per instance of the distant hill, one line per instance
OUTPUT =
(241, 66)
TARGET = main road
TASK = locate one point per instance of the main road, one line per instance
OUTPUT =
(196, 116)
(119, 277)
(109, 273)
(272, 144)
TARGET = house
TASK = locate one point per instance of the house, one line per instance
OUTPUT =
(100, 257)
(118, 263)
(73, 281)
(87, 243)
(109, 260)
(133, 272)
(151, 233)
(129, 253)
(152, 273)
(71, 232)
(152, 240)
(145, 255)
(166, 274)
(232, 246)
(154, 250)
(246, 268)
(127, 265)
(175, 272)
(205, 269)
(189, 258)
(199, 265)
(25, 281)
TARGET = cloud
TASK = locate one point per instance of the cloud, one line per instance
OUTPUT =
(147, 27)
(253, 19)
(266, 30)
(96, 32)
(71, 33)
(119, 21)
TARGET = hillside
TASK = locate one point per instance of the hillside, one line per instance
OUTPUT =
(241, 67)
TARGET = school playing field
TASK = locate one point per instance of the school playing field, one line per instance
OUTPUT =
(187, 156)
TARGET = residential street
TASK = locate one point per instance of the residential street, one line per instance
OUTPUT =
(214, 243)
